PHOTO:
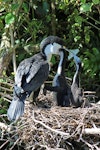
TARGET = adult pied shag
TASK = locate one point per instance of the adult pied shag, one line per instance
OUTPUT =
(76, 96)
(31, 74)
(60, 86)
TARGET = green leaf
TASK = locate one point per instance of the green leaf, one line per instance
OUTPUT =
(14, 6)
(87, 38)
(45, 6)
(53, 60)
(10, 18)
(85, 7)
(78, 19)
(76, 38)
(73, 52)
(25, 6)
(83, 1)
(96, 1)
(1, 24)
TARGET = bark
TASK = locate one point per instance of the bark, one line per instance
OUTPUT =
(5, 54)
(7, 45)
(53, 23)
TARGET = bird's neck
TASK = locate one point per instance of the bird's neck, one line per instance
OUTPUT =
(61, 66)
(47, 52)
(76, 77)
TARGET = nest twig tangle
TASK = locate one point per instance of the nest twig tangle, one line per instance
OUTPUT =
(45, 126)
(58, 128)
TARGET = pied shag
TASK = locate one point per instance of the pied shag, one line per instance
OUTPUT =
(60, 86)
(31, 74)
(63, 93)
(76, 91)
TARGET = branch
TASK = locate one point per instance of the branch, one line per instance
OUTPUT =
(92, 131)
(5, 127)
(12, 45)
(49, 128)
(53, 23)
(93, 25)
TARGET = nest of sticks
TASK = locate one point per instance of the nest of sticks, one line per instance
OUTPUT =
(48, 127)
(45, 126)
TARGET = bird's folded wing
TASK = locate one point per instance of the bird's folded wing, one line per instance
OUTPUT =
(27, 69)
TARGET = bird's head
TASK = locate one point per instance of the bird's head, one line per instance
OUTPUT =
(51, 45)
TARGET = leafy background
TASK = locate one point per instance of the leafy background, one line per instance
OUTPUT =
(23, 24)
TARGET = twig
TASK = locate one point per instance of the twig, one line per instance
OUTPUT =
(14, 144)
(6, 89)
(49, 128)
(7, 141)
(6, 96)
(88, 144)
(3, 126)
(12, 45)
(92, 131)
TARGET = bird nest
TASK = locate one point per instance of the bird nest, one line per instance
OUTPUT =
(45, 126)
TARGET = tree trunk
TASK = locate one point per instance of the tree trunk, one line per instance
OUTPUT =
(53, 23)
(5, 53)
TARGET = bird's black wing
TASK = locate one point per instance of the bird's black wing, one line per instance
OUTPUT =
(27, 69)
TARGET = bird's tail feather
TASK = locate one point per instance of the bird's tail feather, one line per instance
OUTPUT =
(16, 109)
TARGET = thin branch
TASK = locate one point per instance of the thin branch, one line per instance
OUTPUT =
(12, 45)
(92, 25)
(92, 131)
(49, 128)
(53, 23)
(98, 22)
(14, 144)
(7, 141)
(5, 89)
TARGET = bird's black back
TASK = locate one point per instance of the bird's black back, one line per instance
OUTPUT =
(31, 73)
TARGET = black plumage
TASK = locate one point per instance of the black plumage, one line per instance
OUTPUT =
(31, 74)
(63, 93)
(60, 86)
(27, 79)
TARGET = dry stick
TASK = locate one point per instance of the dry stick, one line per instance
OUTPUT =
(5, 95)
(14, 144)
(3, 126)
(6, 99)
(92, 131)
(95, 146)
(49, 128)
(6, 83)
(88, 144)
(6, 89)
(6, 142)
(12, 45)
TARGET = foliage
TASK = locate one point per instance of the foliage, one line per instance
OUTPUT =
(83, 32)
(5, 90)
(23, 24)
(76, 21)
